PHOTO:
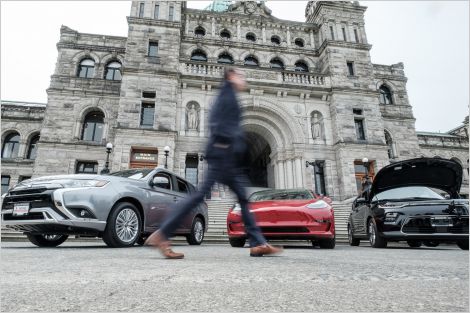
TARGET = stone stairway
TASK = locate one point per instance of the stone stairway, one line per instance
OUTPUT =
(217, 229)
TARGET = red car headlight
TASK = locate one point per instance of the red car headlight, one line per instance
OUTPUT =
(319, 204)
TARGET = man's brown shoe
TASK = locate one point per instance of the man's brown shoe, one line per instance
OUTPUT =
(264, 250)
(156, 240)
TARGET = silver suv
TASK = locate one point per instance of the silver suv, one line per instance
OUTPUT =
(122, 208)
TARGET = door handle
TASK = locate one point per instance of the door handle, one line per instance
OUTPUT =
(175, 198)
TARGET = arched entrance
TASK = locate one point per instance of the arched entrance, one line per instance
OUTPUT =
(258, 163)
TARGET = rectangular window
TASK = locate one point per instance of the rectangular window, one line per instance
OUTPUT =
(5, 184)
(153, 49)
(182, 186)
(357, 111)
(332, 33)
(320, 178)
(148, 94)
(141, 9)
(156, 13)
(344, 33)
(360, 174)
(171, 13)
(360, 129)
(84, 167)
(147, 114)
(356, 36)
(350, 68)
(191, 173)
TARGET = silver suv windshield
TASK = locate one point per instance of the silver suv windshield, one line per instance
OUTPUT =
(140, 173)
(408, 193)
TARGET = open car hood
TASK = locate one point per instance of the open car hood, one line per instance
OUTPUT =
(430, 172)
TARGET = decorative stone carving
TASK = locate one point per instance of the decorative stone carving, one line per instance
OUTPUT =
(317, 126)
(192, 116)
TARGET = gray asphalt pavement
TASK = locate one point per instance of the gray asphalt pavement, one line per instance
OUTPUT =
(92, 277)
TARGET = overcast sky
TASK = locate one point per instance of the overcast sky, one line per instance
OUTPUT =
(430, 37)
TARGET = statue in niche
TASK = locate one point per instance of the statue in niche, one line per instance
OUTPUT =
(192, 117)
(317, 126)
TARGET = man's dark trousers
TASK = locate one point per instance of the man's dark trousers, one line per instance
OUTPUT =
(227, 172)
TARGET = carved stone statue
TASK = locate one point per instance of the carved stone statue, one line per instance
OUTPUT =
(317, 126)
(192, 116)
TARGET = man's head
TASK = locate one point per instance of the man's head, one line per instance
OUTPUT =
(236, 77)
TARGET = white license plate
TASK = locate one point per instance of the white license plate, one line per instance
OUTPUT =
(441, 221)
(20, 209)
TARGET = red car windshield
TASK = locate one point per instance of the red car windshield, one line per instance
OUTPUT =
(269, 195)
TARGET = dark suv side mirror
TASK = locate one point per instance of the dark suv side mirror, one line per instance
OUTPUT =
(360, 201)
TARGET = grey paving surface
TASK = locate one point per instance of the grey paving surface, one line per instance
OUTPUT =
(92, 277)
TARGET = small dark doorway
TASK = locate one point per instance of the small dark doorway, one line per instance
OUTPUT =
(258, 161)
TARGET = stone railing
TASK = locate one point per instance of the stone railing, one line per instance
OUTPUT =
(268, 76)
(89, 84)
(303, 79)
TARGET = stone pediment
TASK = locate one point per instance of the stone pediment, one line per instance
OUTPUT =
(254, 8)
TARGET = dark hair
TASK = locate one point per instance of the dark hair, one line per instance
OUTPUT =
(228, 70)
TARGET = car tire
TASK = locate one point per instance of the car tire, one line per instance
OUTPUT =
(141, 240)
(123, 227)
(46, 240)
(414, 243)
(327, 243)
(429, 243)
(463, 244)
(237, 242)
(352, 241)
(196, 236)
(374, 238)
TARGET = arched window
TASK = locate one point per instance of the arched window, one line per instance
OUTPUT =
(225, 34)
(113, 71)
(276, 40)
(33, 148)
(86, 68)
(225, 58)
(93, 126)
(389, 142)
(199, 32)
(251, 37)
(199, 56)
(11, 145)
(301, 67)
(299, 43)
(251, 61)
(277, 64)
(385, 95)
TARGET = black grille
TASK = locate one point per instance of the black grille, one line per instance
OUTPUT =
(30, 216)
(39, 200)
(28, 191)
(423, 226)
(284, 229)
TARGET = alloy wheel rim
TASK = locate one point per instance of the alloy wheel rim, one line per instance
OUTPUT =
(198, 231)
(127, 225)
(372, 233)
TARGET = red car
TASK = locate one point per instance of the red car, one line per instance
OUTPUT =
(286, 214)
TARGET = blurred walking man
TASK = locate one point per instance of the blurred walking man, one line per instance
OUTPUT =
(225, 149)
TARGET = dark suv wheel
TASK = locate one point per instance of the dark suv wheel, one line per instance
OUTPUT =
(197, 232)
(374, 238)
(47, 240)
(463, 244)
(352, 241)
(124, 225)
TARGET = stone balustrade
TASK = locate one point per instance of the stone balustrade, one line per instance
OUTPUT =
(293, 78)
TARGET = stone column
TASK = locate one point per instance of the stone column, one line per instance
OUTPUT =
(213, 27)
(312, 39)
(264, 33)
(239, 33)
(362, 33)
(187, 25)
(298, 173)
(288, 36)
(289, 174)
(281, 176)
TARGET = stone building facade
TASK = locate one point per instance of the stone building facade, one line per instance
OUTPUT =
(314, 99)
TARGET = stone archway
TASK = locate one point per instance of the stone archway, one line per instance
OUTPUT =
(258, 163)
